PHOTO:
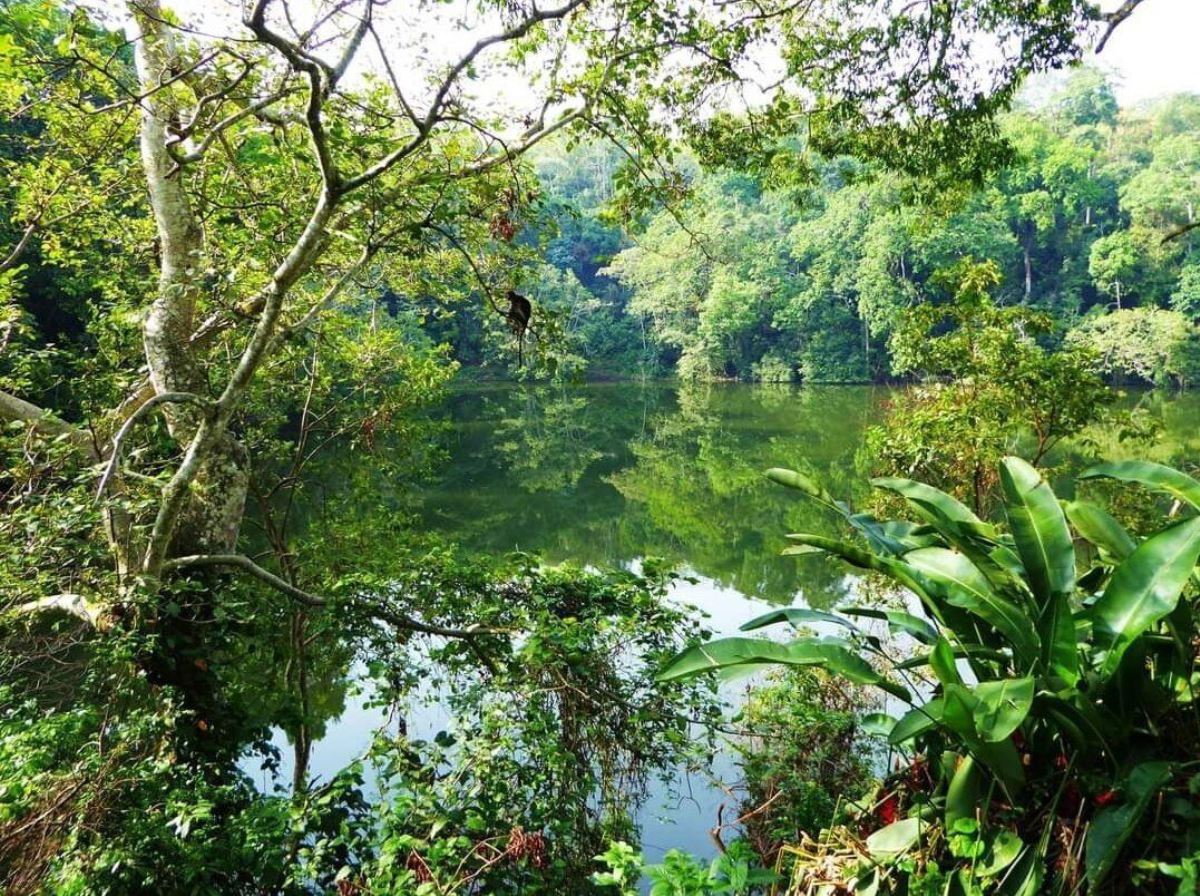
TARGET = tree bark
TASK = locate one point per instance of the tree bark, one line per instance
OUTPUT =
(212, 513)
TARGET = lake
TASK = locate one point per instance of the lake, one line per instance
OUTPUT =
(605, 475)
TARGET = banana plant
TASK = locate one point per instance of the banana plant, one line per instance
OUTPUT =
(1054, 645)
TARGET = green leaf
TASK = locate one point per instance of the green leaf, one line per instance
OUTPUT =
(1044, 545)
(878, 724)
(953, 578)
(959, 716)
(1003, 706)
(931, 503)
(1039, 529)
(1154, 476)
(1112, 827)
(941, 660)
(835, 656)
(796, 616)
(1145, 588)
(800, 482)
(964, 791)
(895, 839)
(1100, 529)
(916, 722)
(906, 623)
(1024, 877)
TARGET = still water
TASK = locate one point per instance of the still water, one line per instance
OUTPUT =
(606, 475)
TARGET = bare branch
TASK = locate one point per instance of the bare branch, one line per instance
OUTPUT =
(1180, 231)
(1115, 18)
(383, 614)
(114, 459)
(42, 421)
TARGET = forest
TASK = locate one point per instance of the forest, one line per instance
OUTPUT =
(695, 448)
(788, 275)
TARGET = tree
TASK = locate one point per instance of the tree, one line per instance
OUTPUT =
(986, 384)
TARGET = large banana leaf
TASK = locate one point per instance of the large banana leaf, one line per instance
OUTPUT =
(797, 616)
(833, 655)
(1043, 542)
(887, 538)
(1155, 476)
(954, 579)
(931, 503)
(1098, 527)
(899, 571)
(962, 529)
(898, 622)
(1145, 588)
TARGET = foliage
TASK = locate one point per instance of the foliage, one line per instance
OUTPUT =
(987, 385)
(1150, 345)
(732, 873)
(551, 739)
(805, 753)
(1038, 739)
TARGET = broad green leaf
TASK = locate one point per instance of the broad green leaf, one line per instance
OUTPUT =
(835, 656)
(916, 722)
(1155, 476)
(895, 839)
(898, 622)
(958, 715)
(878, 724)
(941, 661)
(956, 580)
(1024, 876)
(933, 504)
(1003, 706)
(972, 653)
(800, 482)
(1006, 847)
(963, 792)
(1112, 827)
(1145, 588)
(1098, 527)
(1044, 545)
(1039, 529)
(796, 616)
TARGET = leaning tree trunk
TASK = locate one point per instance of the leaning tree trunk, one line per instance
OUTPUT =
(212, 512)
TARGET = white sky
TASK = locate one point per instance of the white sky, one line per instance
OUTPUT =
(1155, 51)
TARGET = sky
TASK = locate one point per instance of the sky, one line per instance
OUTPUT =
(1156, 50)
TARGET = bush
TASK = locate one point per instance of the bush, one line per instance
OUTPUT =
(1053, 724)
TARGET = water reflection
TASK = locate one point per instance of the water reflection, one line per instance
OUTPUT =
(602, 475)
(606, 475)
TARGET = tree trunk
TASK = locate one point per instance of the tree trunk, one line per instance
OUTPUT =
(212, 515)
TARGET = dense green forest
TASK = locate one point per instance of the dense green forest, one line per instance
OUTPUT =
(274, 273)
(780, 277)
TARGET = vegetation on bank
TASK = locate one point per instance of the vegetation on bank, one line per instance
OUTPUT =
(1045, 713)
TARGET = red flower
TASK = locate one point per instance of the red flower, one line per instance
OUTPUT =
(1104, 798)
(889, 810)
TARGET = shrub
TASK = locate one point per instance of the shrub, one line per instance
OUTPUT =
(1052, 705)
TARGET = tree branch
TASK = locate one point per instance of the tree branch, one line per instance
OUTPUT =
(114, 459)
(1115, 18)
(13, 408)
(383, 614)
(72, 604)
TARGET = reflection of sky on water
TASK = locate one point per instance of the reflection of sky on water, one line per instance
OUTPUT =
(677, 815)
